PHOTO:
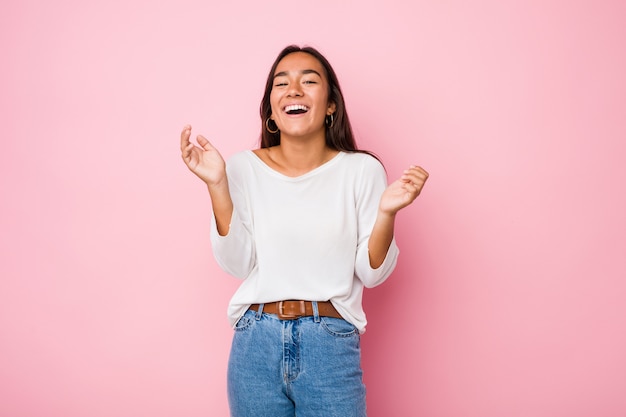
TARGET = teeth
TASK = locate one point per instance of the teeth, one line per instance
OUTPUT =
(294, 107)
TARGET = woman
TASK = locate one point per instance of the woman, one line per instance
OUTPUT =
(307, 222)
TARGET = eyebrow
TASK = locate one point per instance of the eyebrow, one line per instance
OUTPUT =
(303, 72)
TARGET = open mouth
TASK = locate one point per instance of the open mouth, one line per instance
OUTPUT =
(296, 109)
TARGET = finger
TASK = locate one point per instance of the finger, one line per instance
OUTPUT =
(418, 170)
(415, 174)
(204, 143)
(186, 151)
(414, 186)
(411, 188)
(422, 173)
(414, 178)
(184, 137)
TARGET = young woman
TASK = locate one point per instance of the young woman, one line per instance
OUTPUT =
(307, 222)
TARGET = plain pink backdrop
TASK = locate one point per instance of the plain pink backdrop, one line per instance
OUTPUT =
(510, 296)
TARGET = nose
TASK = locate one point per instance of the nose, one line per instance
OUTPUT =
(295, 90)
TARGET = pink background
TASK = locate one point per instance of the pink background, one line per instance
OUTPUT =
(510, 296)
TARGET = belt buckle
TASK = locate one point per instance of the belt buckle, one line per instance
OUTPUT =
(290, 315)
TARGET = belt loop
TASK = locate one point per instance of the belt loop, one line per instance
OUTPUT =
(259, 312)
(316, 313)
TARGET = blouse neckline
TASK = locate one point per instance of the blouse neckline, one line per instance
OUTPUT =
(308, 174)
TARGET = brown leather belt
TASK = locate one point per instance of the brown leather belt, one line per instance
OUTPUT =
(293, 309)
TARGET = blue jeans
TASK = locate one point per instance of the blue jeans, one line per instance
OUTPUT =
(308, 367)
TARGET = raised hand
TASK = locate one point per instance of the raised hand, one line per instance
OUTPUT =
(205, 161)
(403, 191)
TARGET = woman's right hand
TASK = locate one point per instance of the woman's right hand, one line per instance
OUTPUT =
(205, 161)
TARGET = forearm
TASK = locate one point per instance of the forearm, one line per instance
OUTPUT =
(380, 239)
(222, 206)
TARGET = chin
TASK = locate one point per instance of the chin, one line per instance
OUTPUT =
(302, 132)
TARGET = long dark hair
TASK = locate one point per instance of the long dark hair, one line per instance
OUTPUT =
(339, 136)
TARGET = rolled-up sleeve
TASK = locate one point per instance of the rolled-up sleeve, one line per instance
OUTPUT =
(372, 185)
(235, 252)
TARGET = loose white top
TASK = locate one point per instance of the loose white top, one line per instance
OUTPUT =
(303, 238)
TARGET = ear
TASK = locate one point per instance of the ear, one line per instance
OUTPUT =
(332, 107)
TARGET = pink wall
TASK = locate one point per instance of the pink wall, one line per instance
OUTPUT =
(510, 297)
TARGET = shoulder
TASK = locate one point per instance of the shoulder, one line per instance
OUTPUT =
(243, 160)
(364, 172)
(238, 158)
(240, 165)
(365, 163)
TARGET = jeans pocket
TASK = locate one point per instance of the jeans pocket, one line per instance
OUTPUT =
(338, 327)
(244, 322)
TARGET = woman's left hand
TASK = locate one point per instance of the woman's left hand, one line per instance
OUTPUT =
(403, 191)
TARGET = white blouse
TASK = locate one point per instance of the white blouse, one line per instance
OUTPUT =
(303, 238)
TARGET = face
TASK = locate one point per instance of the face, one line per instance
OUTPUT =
(299, 96)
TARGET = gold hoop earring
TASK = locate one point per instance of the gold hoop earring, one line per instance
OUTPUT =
(267, 126)
(332, 121)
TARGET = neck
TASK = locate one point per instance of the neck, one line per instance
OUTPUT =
(297, 157)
